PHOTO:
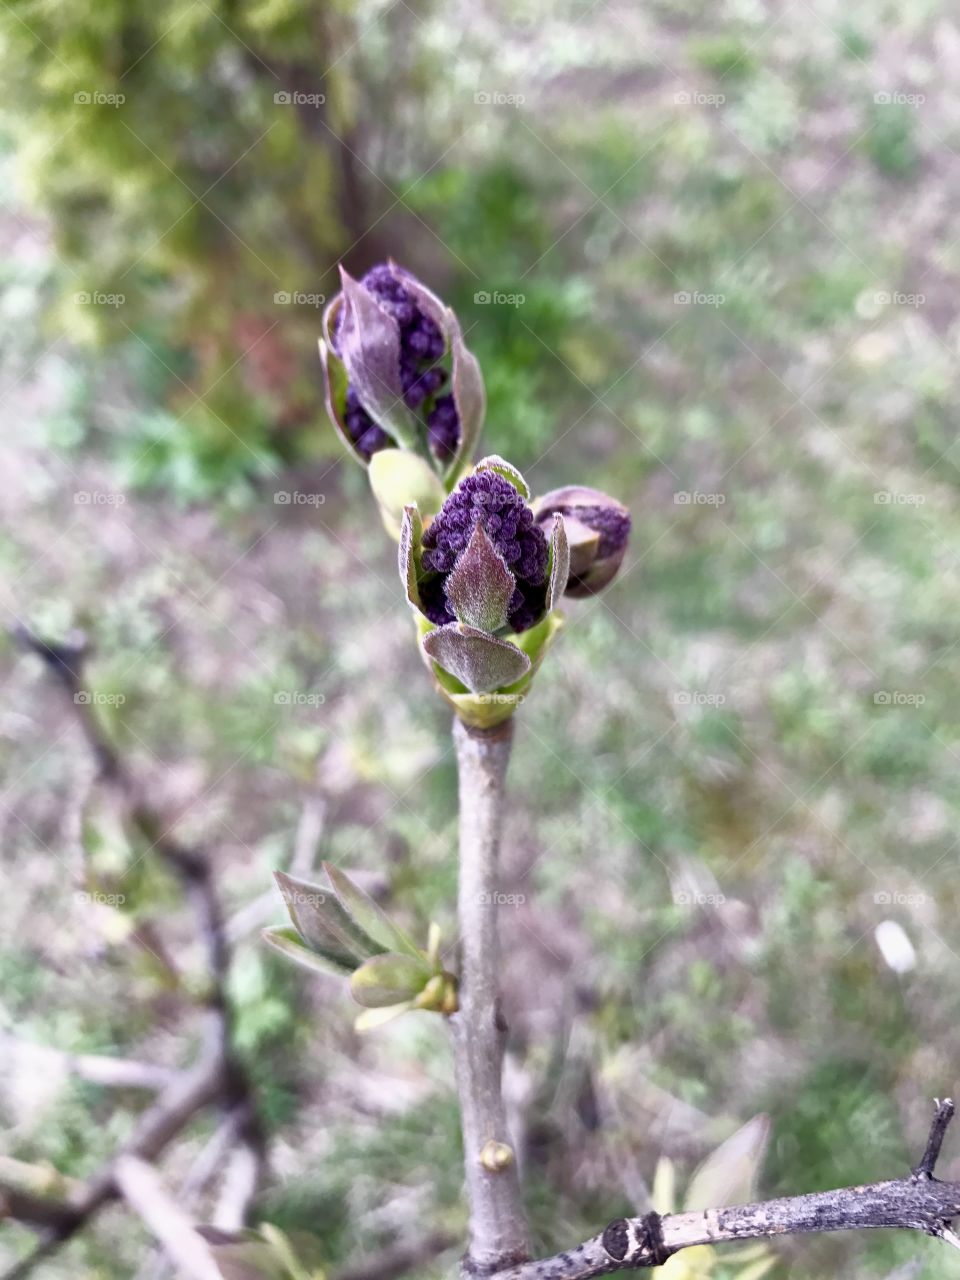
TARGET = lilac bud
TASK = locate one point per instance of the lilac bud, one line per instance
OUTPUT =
(396, 371)
(598, 529)
(484, 579)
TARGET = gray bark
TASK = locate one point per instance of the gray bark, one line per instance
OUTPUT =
(498, 1230)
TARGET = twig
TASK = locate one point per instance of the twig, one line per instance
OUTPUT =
(141, 1187)
(941, 1122)
(498, 1230)
(111, 1072)
(918, 1203)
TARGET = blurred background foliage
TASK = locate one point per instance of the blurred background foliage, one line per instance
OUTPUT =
(707, 256)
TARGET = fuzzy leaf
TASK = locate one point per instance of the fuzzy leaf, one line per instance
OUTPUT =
(335, 383)
(323, 924)
(480, 586)
(368, 914)
(369, 341)
(469, 396)
(559, 563)
(479, 661)
(411, 531)
(493, 462)
(388, 979)
(729, 1174)
(289, 943)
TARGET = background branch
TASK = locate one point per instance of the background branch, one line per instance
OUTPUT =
(219, 1077)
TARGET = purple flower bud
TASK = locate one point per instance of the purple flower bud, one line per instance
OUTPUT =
(598, 529)
(487, 500)
(390, 347)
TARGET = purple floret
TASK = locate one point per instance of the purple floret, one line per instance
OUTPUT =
(422, 345)
(487, 499)
(613, 527)
(361, 428)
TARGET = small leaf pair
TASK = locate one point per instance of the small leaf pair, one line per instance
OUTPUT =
(341, 930)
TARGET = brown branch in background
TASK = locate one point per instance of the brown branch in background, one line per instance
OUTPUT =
(219, 1077)
(95, 1068)
(141, 1186)
(918, 1203)
(498, 1229)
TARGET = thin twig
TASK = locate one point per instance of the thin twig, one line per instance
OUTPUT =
(498, 1230)
(141, 1187)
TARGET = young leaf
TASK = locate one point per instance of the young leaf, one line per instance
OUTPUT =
(388, 979)
(289, 943)
(506, 469)
(323, 923)
(370, 1019)
(368, 915)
